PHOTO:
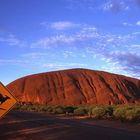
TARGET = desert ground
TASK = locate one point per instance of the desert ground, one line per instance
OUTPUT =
(18, 125)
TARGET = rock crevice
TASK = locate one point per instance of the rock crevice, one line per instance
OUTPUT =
(76, 86)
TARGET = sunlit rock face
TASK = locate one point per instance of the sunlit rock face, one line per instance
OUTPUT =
(75, 87)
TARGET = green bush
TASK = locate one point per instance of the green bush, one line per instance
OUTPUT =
(98, 112)
(80, 111)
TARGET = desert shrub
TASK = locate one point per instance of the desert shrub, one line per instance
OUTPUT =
(98, 112)
(34, 108)
(130, 115)
(133, 114)
(59, 110)
(49, 109)
(39, 108)
(109, 110)
(89, 109)
(120, 112)
(69, 109)
(24, 107)
(80, 111)
(17, 107)
(43, 108)
(137, 113)
(27, 108)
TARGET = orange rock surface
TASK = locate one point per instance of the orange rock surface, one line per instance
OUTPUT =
(76, 86)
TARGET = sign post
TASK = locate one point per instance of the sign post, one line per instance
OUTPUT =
(7, 100)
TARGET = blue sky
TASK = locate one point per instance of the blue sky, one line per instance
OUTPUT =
(46, 35)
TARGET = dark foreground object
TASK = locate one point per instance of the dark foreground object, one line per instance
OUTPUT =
(38, 126)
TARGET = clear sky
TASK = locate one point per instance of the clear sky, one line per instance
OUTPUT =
(45, 35)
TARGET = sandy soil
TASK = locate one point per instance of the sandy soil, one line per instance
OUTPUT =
(40, 126)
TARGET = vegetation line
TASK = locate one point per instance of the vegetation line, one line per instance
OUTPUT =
(120, 112)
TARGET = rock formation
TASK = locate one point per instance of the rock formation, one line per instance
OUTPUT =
(76, 86)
